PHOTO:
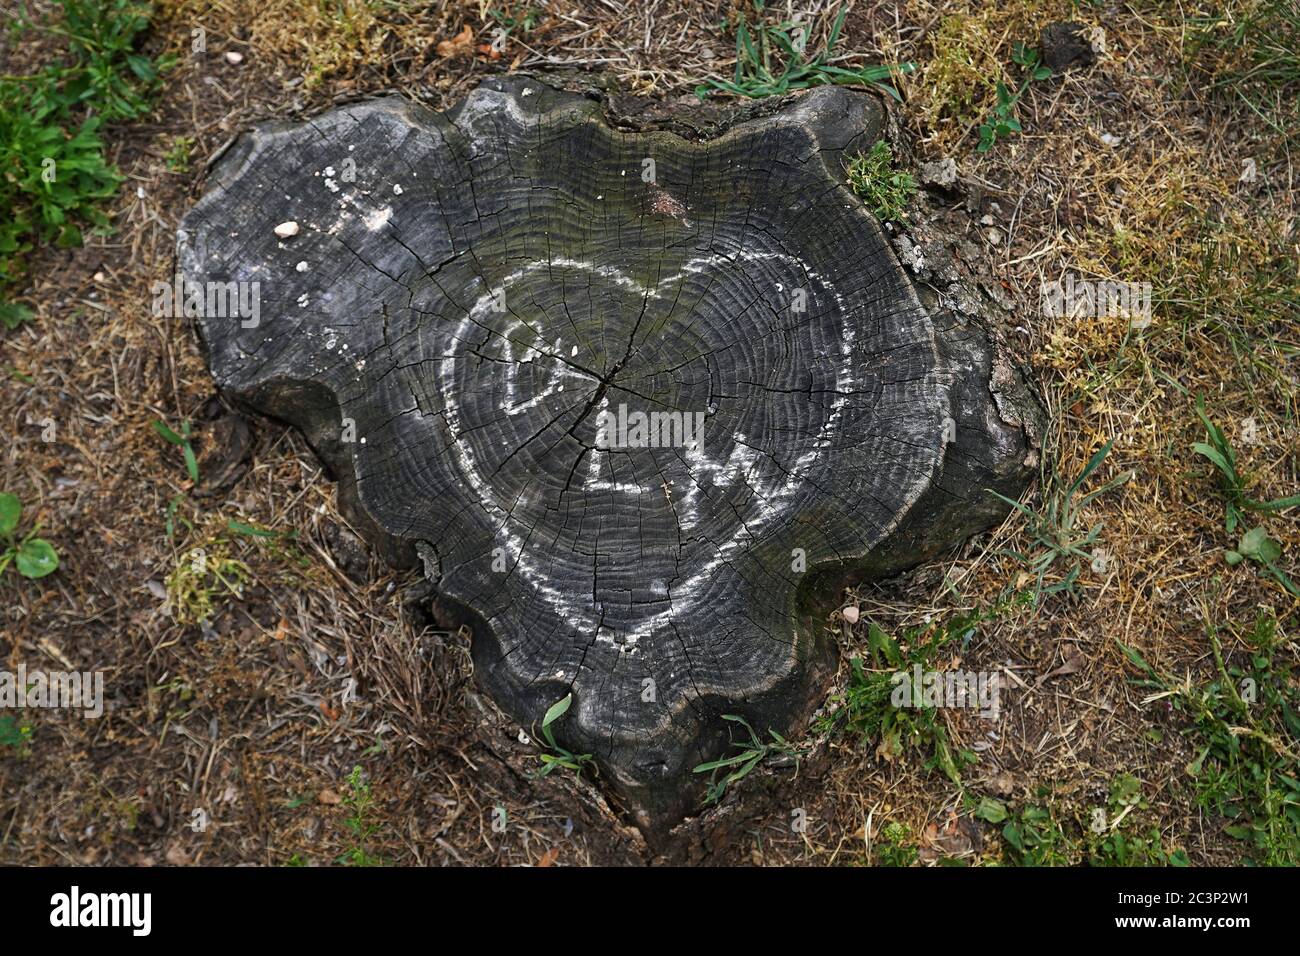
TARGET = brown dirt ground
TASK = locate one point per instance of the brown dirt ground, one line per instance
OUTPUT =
(1130, 167)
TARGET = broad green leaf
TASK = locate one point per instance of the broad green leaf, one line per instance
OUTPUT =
(12, 314)
(994, 811)
(167, 434)
(36, 558)
(1257, 545)
(557, 710)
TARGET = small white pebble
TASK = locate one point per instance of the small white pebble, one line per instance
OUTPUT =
(287, 229)
(234, 57)
(851, 614)
(302, 267)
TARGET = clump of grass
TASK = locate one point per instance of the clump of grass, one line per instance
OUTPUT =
(738, 766)
(960, 74)
(323, 40)
(560, 758)
(885, 190)
(1245, 727)
(866, 708)
(1062, 540)
(1218, 450)
(771, 59)
(1251, 50)
(201, 576)
(53, 172)
(1255, 544)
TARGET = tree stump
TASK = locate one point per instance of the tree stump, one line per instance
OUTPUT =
(641, 405)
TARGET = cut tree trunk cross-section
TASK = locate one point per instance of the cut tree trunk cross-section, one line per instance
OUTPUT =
(641, 405)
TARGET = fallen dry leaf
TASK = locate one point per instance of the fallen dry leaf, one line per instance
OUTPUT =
(1002, 783)
(459, 45)
(1073, 662)
(176, 855)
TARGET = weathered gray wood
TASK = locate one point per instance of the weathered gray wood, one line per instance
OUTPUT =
(449, 324)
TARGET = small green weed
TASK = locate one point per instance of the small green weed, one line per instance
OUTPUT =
(752, 752)
(885, 191)
(1003, 121)
(182, 441)
(891, 847)
(1257, 546)
(358, 801)
(1056, 531)
(178, 157)
(33, 557)
(1044, 834)
(53, 172)
(201, 575)
(1037, 838)
(560, 759)
(1108, 843)
(1254, 544)
(16, 736)
(513, 17)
